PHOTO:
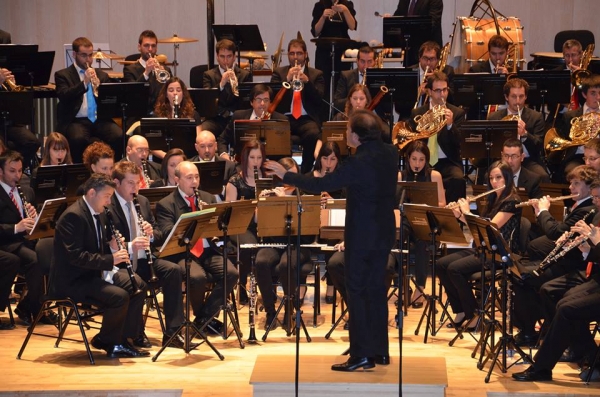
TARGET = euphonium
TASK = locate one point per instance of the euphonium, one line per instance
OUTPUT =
(234, 82)
(94, 80)
(579, 75)
(161, 74)
(297, 84)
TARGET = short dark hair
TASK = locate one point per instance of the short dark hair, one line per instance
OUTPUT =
(164, 170)
(513, 142)
(327, 149)
(366, 50)
(428, 46)
(365, 124)
(81, 42)
(147, 34)
(297, 42)
(436, 76)
(515, 83)
(584, 173)
(225, 44)
(9, 157)
(259, 89)
(98, 182)
(590, 82)
(123, 167)
(498, 41)
(593, 144)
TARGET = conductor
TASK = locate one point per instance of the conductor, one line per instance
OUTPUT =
(370, 179)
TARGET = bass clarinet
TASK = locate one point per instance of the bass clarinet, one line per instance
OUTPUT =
(140, 222)
(118, 237)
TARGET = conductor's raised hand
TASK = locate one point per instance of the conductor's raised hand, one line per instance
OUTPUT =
(274, 168)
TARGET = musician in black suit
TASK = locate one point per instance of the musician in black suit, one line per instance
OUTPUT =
(370, 179)
(206, 262)
(9, 267)
(497, 51)
(431, 8)
(348, 78)
(220, 77)
(445, 146)
(137, 152)
(77, 118)
(304, 114)
(530, 125)
(261, 96)
(525, 180)
(144, 70)
(84, 269)
(17, 220)
(206, 147)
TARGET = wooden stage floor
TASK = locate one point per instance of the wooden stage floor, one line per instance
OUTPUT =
(44, 369)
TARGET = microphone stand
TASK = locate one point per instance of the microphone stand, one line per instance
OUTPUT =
(399, 312)
(299, 320)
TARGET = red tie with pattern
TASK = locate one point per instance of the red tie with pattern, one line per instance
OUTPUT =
(14, 200)
(198, 248)
(143, 184)
(297, 105)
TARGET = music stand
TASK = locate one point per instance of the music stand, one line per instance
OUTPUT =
(478, 89)
(420, 193)
(164, 134)
(407, 32)
(277, 216)
(206, 101)
(335, 131)
(12, 51)
(547, 86)
(16, 107)
(493, 133)
(47, 217)
(434, 224)
(33, 69)
(182, 238)
(212, 174)
(244, 89)
(273, 134)
(155, 194)
(123, 100)
(74, 176)
(245, 37)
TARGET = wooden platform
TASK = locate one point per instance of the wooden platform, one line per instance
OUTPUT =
(274, 376)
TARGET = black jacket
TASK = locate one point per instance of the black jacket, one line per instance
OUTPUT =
(312, 93)
(534, 124)
(227, 101)
(9, 217)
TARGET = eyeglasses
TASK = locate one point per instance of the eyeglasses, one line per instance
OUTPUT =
(262, 100)
(142, 150)
(592, 159)
(429, 59)
(510, 156)
(440, 90)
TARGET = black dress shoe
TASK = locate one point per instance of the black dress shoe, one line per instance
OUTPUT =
(354, 363)
(457, 325)
(382, 360)
(569, 356)
(4, 326)
(49, 317)
(213, 326)
(99, 344)
(125, 351)
(595, 374)
(533, 375)
(24, 315)
(522, 339)
(417, 304)
(142, 341)
(177, 342)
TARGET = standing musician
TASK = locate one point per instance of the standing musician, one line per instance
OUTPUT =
(261, 96)
(530, 125)
(222, 77)
(445, 146)
(81, 252)
(370, 178)
(137, 152)
(498, 52)
(527, 307)
(144, 70)
(139, 235)
(77, 118)
(525, 180)
(205, 260)
(304, 101)
(455, 269)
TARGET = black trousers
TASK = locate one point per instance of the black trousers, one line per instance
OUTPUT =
(453, 179)
(367, 301)
(308, 132)
(554, 290)
(32, 271)
(9, 267)
(216, 125)
(81, 131)
(454, 271)
(23, 141)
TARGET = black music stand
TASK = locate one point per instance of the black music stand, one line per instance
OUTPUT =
(47, 217)
(478, 89)
(16, 107)
(276, 217)
(547, 86)
(245, 37)
(206, 101)
(183, 236)
(33, 69)
(123, 100)
(212, 174)
(164, 134)
(491, 134)
(407, 32)
(335, 131)
(273, 134)
(434, 224)
(54, 181)
(75, 175)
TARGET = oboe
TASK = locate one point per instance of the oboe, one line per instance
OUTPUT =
(140, 222)
(23, 201)
(118, 237)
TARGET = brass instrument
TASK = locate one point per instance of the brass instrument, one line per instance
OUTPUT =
(569, 241)
(120, 246)
(470, 199)
(11, 86)
(583, 129)
(145, 175)
(364, 78)
(161, 75)
(234, 82)
(428, 125)
(513, 117)
(513, 60)
(582, 73)
(140, 222)
(382, 91)
(23, 201)
(441, 65)
(551, 199)
(419, 93)
(94, 80)
(273, 105)
(297, 84)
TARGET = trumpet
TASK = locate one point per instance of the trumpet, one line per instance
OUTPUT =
(511, 117)
(551, 199)
(10, 84)
(147, 179)
(470, 199)
(162, 75)
(234, 83)
(297, 84)
(94, 80)
(140, 221)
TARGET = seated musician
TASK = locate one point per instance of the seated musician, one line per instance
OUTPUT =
(221, 77)
(570, 324)
(527, 304)
(99, 158)
(445, 146)
(77, 118)
(429, 57)
(137, 152)
(304, 104)
(498, 52)
(261, 96)
(530, 125)
(56, 152)
(591, 154)
(167, 169)
(348, 78)
(525, 180)
(205, 260)
(359, 97)
(144, 70)
(206, 147)
(455, 269)
(19, 136)
(81, 251)
(139, 229)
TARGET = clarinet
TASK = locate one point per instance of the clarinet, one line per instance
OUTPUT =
(23, 201)
(140, 221)
(145, 173)
(120, 246)
(252, 301)
(198, 200)
(255, 182)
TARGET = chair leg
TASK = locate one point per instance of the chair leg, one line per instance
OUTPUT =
(31, 328)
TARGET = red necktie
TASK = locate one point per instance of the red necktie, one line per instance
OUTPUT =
(297, 105)
(574, 100)
(14, 200)
(143, 181)
(198, 248)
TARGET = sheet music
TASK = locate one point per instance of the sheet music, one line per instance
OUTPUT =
(182, 218)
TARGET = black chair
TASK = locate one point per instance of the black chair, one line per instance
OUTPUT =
(196, 75)
(585, 37)
(132, 57)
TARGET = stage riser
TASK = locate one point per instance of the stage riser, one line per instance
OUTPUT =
(348, 390)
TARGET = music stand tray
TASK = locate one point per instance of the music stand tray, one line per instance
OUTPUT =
(212, 174)
(46, 220)
(273, 211)
(448, 228)
(274, 134)
(18, 105)
(547, 86)
(420, 193)
(333, 219)
(478, 89)
(479, 135)
(129, 100)
(164, 134)
(174, 242)
(335, 131)
(404, 81)
(206, 101)
(246, 37)
(399, 30)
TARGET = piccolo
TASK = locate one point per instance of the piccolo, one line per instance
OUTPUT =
(551, 199)
(469, 199)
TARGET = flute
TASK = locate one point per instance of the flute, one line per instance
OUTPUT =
(469, 199)
(533, 201)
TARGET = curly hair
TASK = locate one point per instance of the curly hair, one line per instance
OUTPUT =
(162, 108)
(95, 152)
